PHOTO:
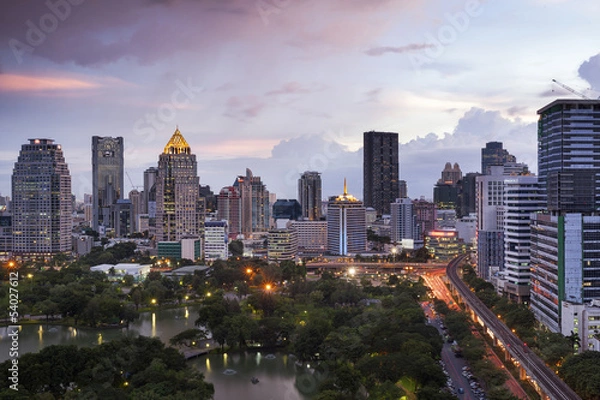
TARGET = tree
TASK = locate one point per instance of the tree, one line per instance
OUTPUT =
(236, 248)
(47, 307)
(188, 337)
(128, 280)
(582, 373)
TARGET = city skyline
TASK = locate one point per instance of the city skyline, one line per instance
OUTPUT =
(291, 86)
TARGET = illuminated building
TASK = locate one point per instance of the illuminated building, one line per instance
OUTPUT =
(179, 208)
(445, 192)
(41, 201)
(216, 240)
(312, 236)
(346, 225)
(282, 244)
(107, 180)
(443, 245)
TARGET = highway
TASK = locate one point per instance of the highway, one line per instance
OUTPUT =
(548, 381)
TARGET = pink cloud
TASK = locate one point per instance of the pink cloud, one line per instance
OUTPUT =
(29, 83)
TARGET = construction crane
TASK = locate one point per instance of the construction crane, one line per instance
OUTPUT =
(131, 181)
(570, 89)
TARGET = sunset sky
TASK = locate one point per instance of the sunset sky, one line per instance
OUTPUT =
(284, 86)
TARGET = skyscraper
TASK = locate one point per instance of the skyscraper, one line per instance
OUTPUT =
(564, 262)
(346, 224)
(179, 209)
(403, 220)
(309, 194)
(255, 209)
(229, 208)
(149, 193)
(494, 155)
(568, 144)
(380, 170)
(522, 196)
(490, 217)
(107, 179)
(445, 192)
(135, 197)
(41, 200)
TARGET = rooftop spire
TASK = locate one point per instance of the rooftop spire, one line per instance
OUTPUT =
(345, 188)
(177, 144)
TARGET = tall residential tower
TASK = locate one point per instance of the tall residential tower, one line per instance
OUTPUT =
(309, 195)
(41, 200)
(380, 170)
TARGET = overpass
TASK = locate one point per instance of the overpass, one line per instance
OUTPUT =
(546, 382)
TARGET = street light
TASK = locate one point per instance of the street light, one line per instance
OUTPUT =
(153, 301)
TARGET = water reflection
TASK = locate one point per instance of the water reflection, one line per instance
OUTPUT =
(276, 377)
(163, 324)
(153, 324)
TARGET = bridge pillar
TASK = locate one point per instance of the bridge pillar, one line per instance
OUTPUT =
(506, 355)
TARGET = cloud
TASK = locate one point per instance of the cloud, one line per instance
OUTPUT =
(29, 83)
(590, 71)
(372, 96)
(379, 51)
(243, 107)
(421, 159)
(294, 88)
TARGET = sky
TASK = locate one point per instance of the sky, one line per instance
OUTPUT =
(285, 86)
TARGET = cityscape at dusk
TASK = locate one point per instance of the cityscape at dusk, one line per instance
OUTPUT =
(287, 86)
(300, 199)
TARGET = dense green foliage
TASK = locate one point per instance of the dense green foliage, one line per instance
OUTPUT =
(582, 373)
(358, 348)
(140, 368)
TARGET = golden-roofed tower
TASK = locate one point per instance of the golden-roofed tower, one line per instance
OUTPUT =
(177, 144)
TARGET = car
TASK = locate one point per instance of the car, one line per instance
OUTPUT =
(461, 390)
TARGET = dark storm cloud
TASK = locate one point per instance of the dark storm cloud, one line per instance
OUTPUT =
(94, 33)
(379, 51)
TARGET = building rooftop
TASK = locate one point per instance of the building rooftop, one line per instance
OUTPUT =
(177, 144)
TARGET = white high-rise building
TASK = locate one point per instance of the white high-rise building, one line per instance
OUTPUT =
(403, 220)
(490, 217)
(346, 225)
(216, 240)
(522, 196)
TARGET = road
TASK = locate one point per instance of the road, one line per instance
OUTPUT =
(554, 387)
(433, 280)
